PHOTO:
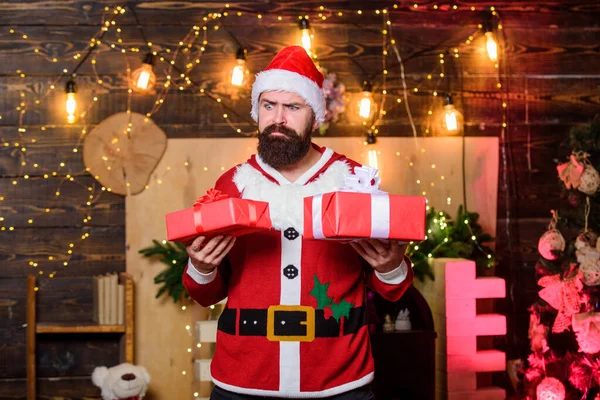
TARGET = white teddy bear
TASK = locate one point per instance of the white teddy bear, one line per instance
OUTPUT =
(123, 381)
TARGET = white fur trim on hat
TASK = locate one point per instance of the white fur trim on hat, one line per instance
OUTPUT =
(288, 81)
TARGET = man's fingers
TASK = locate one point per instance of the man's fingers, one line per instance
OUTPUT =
(211, 245)
(197, 243)
(378, 246)
(216, 253)
(368, 248)
(361, 252)
(225, 251)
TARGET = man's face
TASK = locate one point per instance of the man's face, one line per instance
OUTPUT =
(285, 124)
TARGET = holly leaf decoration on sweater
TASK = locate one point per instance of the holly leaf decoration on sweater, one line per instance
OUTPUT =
(341, 309)
(319, 292)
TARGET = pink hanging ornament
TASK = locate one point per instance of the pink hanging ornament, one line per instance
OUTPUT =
(538, 333)
(587, 329)
(570, 172)
(552, 240)
(550, 389)
(564, 295)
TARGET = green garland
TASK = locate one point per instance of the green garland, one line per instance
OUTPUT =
(462, 238)
(176, 258)
(447, 238)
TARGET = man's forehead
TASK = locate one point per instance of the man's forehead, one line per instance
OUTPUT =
(281, 96)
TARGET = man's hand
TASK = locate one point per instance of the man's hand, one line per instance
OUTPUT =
(382, 256)
(206, 257)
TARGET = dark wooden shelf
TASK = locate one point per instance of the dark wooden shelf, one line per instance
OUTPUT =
(91, 328)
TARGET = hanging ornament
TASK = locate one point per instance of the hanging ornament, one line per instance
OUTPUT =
(550, 389)
(564, 295)
(590, 271)
(587, 328)
(570, 172)
(586, 239)
(538, 333)
(590, 180)
(552, 240)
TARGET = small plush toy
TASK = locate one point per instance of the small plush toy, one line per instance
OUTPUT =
(121, 382)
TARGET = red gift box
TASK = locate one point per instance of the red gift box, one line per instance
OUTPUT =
(351, 215)
(217, 214)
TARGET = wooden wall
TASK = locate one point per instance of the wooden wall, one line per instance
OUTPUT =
(552, 81)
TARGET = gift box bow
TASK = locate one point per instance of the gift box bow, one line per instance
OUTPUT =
(211, 196)
(214, 195)
(363, 180)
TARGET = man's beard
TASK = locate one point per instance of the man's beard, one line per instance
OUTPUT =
(281, 151)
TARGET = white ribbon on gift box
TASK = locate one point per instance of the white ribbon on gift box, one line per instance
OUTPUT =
(364, 180)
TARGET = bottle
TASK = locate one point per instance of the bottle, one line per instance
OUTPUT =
(388, 325)
(403, 321)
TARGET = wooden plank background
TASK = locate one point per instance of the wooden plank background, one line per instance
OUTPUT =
(552, 81)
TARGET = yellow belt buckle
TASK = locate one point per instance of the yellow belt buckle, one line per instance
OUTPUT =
(309, 322)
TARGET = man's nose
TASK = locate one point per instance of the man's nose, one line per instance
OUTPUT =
(279, 115)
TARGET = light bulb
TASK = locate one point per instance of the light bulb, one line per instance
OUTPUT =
(305, 35)
(366, 102)
(143, 78)
(452, 119)
(71, 103)
(491, 46)
(239, 70)
(365, 106)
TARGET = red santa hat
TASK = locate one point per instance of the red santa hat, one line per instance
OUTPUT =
(292, 70)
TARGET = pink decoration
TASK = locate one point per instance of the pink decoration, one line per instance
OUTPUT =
(551, 241)
(587, 328)
(550, 389)
(463, 325)
(538, 333)
(570, 172)
(564, 296)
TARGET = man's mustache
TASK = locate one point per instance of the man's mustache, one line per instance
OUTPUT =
(281, 129)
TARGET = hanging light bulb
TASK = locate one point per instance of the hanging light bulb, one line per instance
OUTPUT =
(238, 74)
(71, 103)
(490, 40)
(306, 36)
(452, 119)
(491, 46)
(143, 78)
(366, 103)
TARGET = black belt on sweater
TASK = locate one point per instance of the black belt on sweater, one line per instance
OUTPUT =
(289, 323)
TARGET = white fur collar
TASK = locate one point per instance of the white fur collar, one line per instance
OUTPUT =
(286, 200)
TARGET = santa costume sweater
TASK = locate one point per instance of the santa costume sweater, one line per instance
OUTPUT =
(295, 321)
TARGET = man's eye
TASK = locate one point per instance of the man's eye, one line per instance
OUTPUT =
(268, 106)
(293, 108)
